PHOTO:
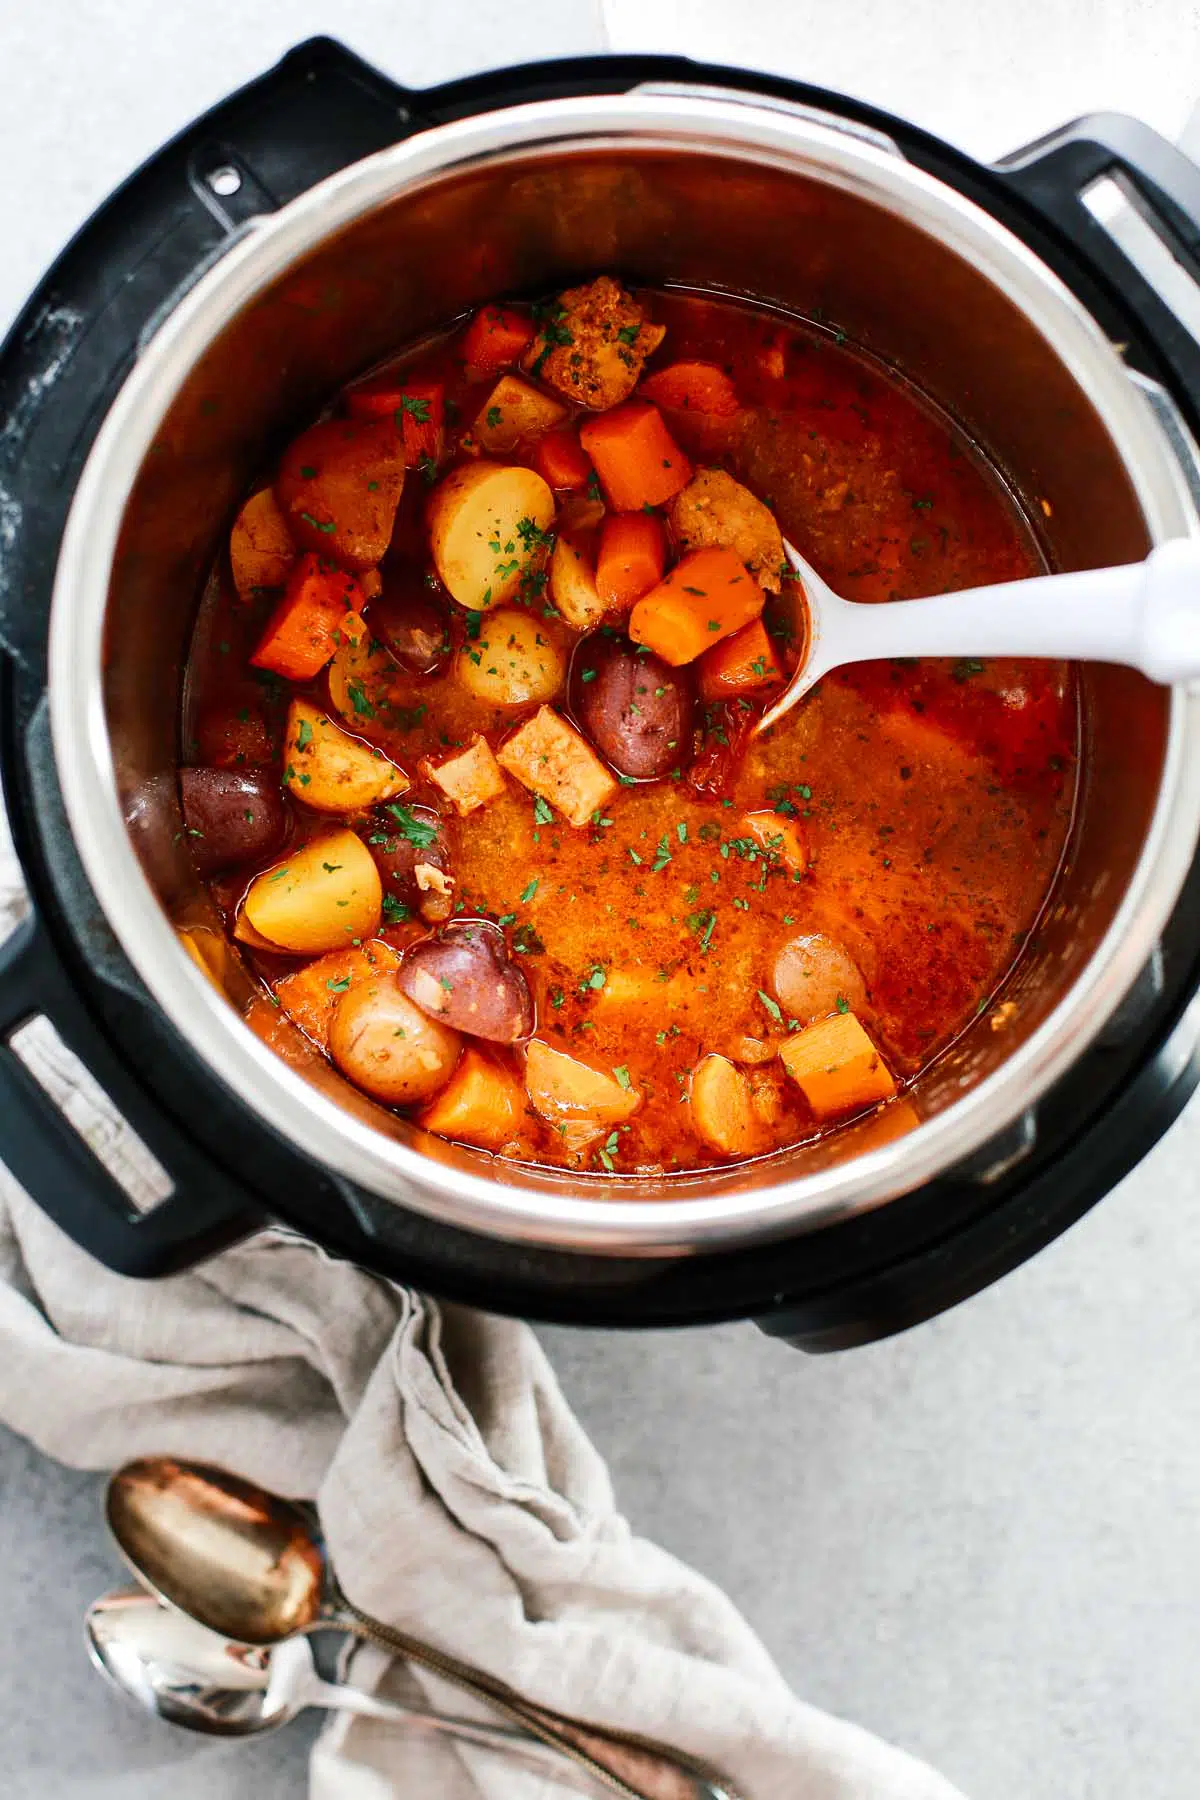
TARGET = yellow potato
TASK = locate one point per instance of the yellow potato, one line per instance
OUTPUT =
(722, 1108)
(389, 1047)
(487, 527)
(512, 662)
(322, 897)
(512, 411)
(261, 551)
(580, 1102)
(358, 668)
(573, 585)
(330, 770)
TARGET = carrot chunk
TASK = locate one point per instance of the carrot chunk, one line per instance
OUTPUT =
(495, 338)
(631, 558)
(707, 596)
(560, 460)
(638, 461)
(692, 387)
(740, 664)
(481, 1104)
(836, 1066)
(309, 995)
(302, 633)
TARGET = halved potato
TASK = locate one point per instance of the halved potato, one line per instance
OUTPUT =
(330, 770)
(487, 526)
(322, 897)
(359, 666)
(512, 411)
(261, 550)
(513, 661)
(580, 1102)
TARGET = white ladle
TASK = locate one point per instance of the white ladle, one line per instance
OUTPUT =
(1143, 614)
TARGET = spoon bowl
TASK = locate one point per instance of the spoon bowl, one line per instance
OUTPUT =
(179, 1671)
(1143, 614)
(244, 1563)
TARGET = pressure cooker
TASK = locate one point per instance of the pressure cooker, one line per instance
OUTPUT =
(285, 241)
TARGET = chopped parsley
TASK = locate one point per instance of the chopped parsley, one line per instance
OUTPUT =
(966, 667)
(530, 891)
(316, 523)
(622, 1075)
(395, 911)
(419, 832)
(542, 811)
(338, 987)
(417, 409)
(493, 417)
(772, 1006)
(842, 1004)
(304, 735)
(358, 699)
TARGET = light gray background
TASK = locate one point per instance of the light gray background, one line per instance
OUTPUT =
(979, 1539)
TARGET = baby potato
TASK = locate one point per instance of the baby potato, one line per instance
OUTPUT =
(261, 550)
(321, 898)
(487, 526)
(813, 977)
(513, 662)
(330, 770)
(389, 1047)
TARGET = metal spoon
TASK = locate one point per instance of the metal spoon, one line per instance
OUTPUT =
(1144, 614)
(182, 1672)
(250, 1567)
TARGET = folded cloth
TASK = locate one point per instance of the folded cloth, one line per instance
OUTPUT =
(461, 1500)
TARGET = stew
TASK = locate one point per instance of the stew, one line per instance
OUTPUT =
(471, 770)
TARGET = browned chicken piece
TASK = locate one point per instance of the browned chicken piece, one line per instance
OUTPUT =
(593, 345)
(716, 512)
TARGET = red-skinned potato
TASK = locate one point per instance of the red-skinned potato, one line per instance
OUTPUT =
(232, 816)
(636, 710)
(411, 622)
(413, 858)
(463, 976)
(387, 1046)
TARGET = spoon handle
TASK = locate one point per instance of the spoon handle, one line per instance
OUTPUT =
(629, 1766)
(1144, 614)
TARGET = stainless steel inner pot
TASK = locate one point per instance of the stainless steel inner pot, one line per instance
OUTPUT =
(705, 190)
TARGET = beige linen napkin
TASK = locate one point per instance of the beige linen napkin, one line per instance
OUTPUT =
(461, 1500)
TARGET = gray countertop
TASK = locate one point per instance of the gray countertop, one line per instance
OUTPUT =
(978, 1539)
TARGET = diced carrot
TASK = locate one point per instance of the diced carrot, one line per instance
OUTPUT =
(638, 461)
(302, 633)
(560, 460)
(309, 995)
(707, 596)
(417, 403)
(631, 558)
(481, 1103)
(692, 387)
(781, 839)
(740, 664)
(422, 419)
(495, 339)
(836, 1066)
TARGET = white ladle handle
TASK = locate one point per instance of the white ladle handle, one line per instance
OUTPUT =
(1144, 614)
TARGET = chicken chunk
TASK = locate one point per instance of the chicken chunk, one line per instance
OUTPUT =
(549, 757)
(716, 512)
(594, 345)
(471, 778)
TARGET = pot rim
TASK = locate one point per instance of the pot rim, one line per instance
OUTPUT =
(542, 1212)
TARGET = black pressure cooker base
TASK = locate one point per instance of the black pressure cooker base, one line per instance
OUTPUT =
(319, 110)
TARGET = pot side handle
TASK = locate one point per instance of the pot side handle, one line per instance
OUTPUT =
(205, 1210)
(1160, 182)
